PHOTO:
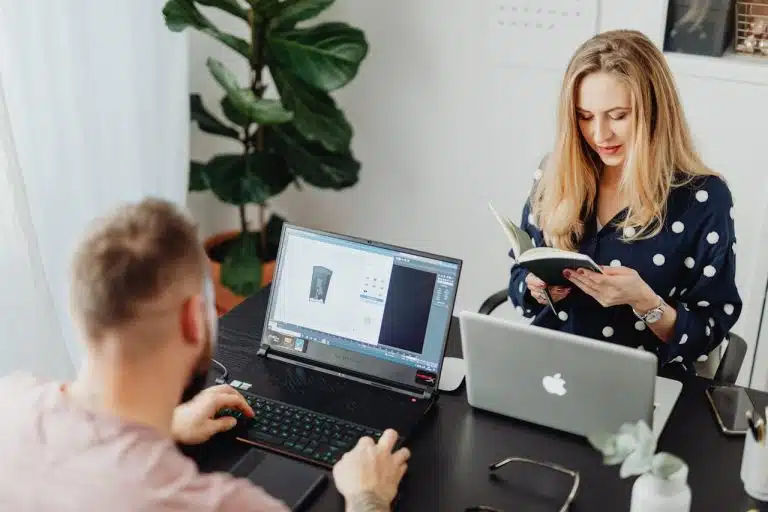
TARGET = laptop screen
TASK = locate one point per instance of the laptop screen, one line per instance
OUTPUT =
(378, 310)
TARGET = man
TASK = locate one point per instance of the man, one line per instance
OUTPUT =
(144, 304)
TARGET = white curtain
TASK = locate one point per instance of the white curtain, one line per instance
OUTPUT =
(97, 103)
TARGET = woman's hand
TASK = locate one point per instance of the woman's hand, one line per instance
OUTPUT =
(616, 286)
(537, 287)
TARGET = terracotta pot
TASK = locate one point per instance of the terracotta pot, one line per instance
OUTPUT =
(226, 299)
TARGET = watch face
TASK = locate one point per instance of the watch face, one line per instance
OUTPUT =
(653, 316)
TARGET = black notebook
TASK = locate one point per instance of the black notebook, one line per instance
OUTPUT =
(546, 263)
(295, 483)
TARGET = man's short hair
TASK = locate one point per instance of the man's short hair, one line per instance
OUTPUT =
(131, 257)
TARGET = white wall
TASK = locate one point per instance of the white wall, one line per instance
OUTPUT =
(97, 97)
(441, 128)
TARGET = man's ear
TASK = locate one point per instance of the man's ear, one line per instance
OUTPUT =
(193, 319)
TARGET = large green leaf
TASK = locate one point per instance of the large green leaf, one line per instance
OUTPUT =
(241, 269)
(311, 161)
(238, 180)
(198, 181)
(231, 113)
(295, 11)
(206, 121)
(180, 14)
(314, 112)
(258, 110)
(326, 56)
(231, 6)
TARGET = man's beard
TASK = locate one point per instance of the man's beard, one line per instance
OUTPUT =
(199, 378)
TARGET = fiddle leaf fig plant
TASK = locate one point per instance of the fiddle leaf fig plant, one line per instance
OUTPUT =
(296, 135)
(633, 447)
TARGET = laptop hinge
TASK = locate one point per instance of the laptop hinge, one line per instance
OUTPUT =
(276, 355)
(263, 349)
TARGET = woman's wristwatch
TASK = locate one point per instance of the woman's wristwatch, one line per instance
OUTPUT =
(653, 315)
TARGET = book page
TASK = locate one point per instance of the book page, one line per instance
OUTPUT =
(520, 240)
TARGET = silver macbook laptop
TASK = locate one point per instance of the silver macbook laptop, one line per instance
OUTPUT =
(560, 380)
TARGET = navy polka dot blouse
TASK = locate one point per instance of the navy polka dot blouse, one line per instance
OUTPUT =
(691, 263)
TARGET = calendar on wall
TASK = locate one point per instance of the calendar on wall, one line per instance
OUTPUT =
(541, 33)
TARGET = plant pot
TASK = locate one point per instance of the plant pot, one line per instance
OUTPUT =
(226, 299)
(651, 493)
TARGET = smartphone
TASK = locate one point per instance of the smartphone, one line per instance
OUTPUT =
(730, 405)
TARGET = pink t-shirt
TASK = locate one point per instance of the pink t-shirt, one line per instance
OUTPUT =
(57, 456)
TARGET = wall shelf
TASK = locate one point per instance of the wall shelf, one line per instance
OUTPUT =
(731, 67)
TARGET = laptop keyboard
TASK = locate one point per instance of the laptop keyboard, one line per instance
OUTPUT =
(296, 431)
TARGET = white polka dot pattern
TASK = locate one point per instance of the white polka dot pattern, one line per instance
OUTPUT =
(607, 331)
(678, 227)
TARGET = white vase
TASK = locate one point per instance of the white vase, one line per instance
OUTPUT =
(651, 493)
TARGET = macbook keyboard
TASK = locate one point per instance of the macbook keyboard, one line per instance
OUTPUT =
(296, 431)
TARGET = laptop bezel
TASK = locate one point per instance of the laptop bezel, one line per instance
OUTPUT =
(357, 373)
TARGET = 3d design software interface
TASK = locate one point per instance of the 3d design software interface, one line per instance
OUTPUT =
(347, 294)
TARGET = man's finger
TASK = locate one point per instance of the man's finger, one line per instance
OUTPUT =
(388, 440)
(222, 388)
(365, 441)
(228, 400)
(401, 455)
(221, 424)
(401, 471)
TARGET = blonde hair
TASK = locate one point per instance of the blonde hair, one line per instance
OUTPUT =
(662, 154)
(138, 254)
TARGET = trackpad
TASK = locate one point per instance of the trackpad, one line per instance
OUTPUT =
(295, 483)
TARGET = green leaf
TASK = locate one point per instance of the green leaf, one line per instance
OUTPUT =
(198, 181)
(295, 11)
(309, 160)
(231, 6)
(326, 56)
(241, 269)
(238, 180)
(231, 113)
(206, 121)
(315, 113)
(258, 110)
(180, 14)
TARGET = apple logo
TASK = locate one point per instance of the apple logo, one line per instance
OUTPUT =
(554, 384)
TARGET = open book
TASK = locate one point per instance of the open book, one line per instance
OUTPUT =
(546, 263)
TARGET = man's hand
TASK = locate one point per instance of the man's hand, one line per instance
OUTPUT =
(537, 286)
(617, 286)
(369, 474)
(194, 423)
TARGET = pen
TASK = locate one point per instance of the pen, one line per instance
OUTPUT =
(753, 426)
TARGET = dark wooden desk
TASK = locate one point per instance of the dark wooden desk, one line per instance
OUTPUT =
(451, 453)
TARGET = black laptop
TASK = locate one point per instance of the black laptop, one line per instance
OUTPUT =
(353, 343)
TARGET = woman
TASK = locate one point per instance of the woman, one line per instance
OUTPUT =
(625, 186)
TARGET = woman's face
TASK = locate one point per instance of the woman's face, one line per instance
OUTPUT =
(604, 112)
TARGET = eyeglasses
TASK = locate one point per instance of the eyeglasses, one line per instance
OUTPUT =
(550, 465)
